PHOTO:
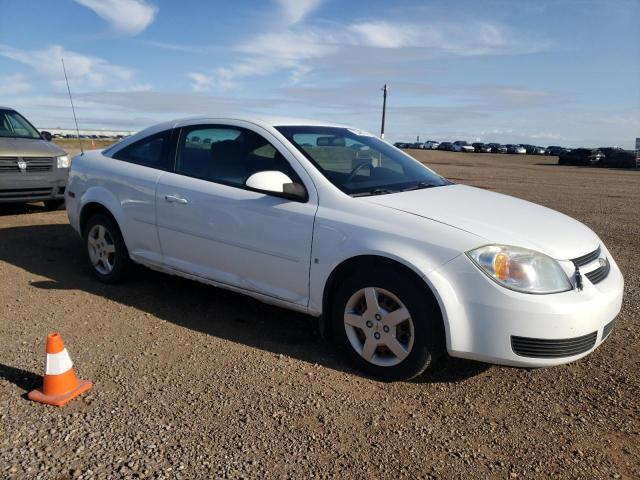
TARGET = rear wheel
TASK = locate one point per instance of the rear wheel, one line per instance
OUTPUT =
(389, 326)
(107, 253)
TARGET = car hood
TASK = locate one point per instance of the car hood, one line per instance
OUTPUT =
(497, 218)
(28, 147)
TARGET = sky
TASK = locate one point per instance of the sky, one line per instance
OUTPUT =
(547, 72)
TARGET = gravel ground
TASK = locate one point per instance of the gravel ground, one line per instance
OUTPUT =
(196, 382)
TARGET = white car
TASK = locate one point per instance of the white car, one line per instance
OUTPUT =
(462, 146)
(400, 264)
(431, 145)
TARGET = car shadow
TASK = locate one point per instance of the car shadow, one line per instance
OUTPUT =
(56, 252)
(7, 209)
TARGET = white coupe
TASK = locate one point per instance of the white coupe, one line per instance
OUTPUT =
(401, 265)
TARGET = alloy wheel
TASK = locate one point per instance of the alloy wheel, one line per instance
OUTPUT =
(102, 249)
(379, 326)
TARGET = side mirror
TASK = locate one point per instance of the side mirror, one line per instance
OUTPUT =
(276, 183)
(46, 135)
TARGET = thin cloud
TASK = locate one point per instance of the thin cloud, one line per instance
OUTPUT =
(265, 54)
(14, 84)
(84, 71)
(294, 11)
(200, 82)
(386, 34)
(348, 49)
(126, 16)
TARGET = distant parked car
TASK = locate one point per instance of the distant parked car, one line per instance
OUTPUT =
(540, 151)
(535, 150)
(581, 156)
(462, 146)
(31, 168)
(447, 146)
(615, 157)
(556, 150)
(517, 149)
(431, 145)
(497, 148)
(480, 147)
(418, 145)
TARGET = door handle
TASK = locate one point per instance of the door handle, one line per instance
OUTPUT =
(176, 199)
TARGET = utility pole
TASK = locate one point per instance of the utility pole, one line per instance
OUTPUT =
(384, 108)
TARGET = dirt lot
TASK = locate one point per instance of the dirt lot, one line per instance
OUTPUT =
(72, 146)
(195, 382)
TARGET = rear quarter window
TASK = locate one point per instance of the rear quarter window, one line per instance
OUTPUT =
(151, 151)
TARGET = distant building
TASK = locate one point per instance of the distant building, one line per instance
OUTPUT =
(66, 132)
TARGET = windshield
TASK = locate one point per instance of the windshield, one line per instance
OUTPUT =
(14, 125)
(358, 163)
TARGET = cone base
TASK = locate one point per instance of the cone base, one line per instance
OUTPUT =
(38, 395)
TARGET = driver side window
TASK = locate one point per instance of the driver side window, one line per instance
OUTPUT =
(227, 155)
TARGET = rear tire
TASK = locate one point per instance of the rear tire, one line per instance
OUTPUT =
(106, 251)
(368, 319)
(51, 205)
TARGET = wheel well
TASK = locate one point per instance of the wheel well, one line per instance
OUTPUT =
(89, 210)
(350, 265)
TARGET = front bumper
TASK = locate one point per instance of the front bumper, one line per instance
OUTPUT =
(487, 322)
(31, 188)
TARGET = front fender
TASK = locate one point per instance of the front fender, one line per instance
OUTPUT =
(420, 245)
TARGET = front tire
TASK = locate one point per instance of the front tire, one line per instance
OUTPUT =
(107, 253)
(388, 324)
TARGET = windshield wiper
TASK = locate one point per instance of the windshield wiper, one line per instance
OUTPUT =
(420, 186)
(375, 191)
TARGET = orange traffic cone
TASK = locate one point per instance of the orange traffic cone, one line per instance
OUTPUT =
(59, 383)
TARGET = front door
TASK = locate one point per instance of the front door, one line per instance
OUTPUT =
(211, 226)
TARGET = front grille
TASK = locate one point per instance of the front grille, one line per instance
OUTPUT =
(607, 329)
(43, 164)
(587, 259)
(599, 274)
(9, 165)
(544, 348)
(34, 164)
(25, 193)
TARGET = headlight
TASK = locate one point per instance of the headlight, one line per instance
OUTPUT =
(521, 269)
(63, 161)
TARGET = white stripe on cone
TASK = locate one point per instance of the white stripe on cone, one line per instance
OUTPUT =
(58, 363)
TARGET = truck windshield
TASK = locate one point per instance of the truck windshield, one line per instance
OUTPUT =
(359, 163)
(14, 125)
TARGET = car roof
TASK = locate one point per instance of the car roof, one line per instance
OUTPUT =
(262, 120)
